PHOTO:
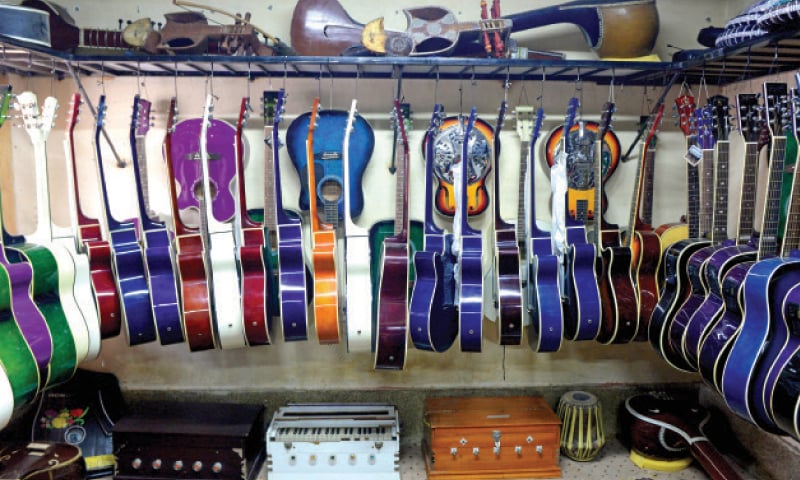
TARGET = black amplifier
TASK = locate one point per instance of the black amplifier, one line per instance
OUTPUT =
(190, 441)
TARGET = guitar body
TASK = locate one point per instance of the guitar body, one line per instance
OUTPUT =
(328, 169)
(161, 280)
(583, 308)
(765, 287)
(224, 288)
(712, 307)
(195, 299)
(670, 233)
(101, 270)
(433, 316)
(390, 347)
(185, 156)
(620, 305)
(470, 311)
(782, 385)
(46, 289)
(509, 286)
(674, 292)
(254, 287)
(326, 293)
(323, 27)
(544, 300)
(646, 260)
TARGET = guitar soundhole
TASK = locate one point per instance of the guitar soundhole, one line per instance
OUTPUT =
(198, 190)
(331, 191)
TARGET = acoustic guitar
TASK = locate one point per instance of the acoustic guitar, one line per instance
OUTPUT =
(189, 258)
(392, 318)
(249, 247)
(154, 237)
(357, 264)
(433, 317)
(543, 293)
(90, 241)
(288, 234)
(222, 267)
(507, 283)
(128, 261)
(323, 252)
(53, 269)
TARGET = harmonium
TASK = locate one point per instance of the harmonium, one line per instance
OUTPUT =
(334, 441)
(190, 441)
(491, 437)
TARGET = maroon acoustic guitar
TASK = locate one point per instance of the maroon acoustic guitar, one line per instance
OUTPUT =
(666, 428)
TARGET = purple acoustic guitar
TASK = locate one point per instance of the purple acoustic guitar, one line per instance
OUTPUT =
(154, 237)
(433, 318)
(391, 343)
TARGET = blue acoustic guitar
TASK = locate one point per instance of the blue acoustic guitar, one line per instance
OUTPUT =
(137, 312)
(289, 233)
(581, 291)
(781, 389)
(155, 239)
(766, 284)
(433, 317)
(328, 170)
(544, 272)
(470, 256)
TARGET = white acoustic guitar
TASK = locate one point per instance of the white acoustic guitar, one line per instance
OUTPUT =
(221, 268)
(38, 129)
(358, 285)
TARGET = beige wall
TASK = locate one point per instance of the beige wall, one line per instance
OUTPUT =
(307, 365)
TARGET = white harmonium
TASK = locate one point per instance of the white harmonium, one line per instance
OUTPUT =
(334, 440)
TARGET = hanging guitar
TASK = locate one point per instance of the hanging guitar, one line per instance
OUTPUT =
(392, 319)
(433, 318)
(447, 143)
(154, 237)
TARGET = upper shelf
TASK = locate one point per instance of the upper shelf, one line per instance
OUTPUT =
(779, 52)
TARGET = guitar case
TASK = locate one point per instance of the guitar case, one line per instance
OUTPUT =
(82, 412)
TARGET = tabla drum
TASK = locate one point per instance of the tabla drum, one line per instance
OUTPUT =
(582, 432)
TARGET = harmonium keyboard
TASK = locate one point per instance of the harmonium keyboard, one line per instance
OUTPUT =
(334, 441)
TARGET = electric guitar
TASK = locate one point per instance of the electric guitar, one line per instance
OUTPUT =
(433, 318)
(508, 286)
(392, 319)
(250, 240)
(289, 237)
(52, 269)
(137, 312)
(470, 255)
(154, 237)
(20, 360)
(328, 165)
(222, 268)
(323, 253)
(767, 283)
(619, 319)
(90, 241)
(642, 240)
(357, 264)
(189, 258)
(581, 289)
(676, 285)
(544, 272)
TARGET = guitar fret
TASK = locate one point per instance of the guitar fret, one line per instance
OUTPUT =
(747, 202)
(768, 241)
(141, 154)
(646, 213)
(720, 215)
(523, 171)
(270, 212)
(707, 193)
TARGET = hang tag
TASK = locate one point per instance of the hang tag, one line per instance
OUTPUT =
(694, 155)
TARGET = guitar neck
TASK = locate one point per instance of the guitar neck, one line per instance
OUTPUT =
(768, 239)
(719, 229)
(646, 212)
(693, 199)
(43, 233)
(524, 148)
(598, 194)
(401, 189)
(747, 201)
(245, 220)
(350, 227)
(270, 202)
(633, 221)
(498, 219)
(312, 178)
(180, 228)
(707, 193)
(97, 38)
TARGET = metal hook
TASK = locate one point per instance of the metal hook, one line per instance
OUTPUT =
(774, 61)
(541, 92)
(319, 82)
(248, 79)
(285, 74)
(611, 87)
(175, 80)
(436, 87)
(506, 84)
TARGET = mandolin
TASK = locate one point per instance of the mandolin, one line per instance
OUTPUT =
(249, 242)
(433, 317)
(154, 237)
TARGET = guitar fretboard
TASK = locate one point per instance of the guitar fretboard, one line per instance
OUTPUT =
(524, 148)
(707, 194)
(719, 230)
(270, 208)
(102, 39)
(768, 240)
(141, 155)
(646, 213)
(400, 202)
(747, 202)
(693, 199)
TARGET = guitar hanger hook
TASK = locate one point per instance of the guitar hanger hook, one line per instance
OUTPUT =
(611, 88)
(506, 84)
(436, 87)
(541, 91)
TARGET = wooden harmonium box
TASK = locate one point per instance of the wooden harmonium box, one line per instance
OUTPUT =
(334, 441)
(488, 438)
(194, 441)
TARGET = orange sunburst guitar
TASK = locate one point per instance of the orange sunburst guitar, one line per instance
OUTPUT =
(323, 253)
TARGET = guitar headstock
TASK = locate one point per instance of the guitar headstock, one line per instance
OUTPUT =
(524, 120)
(28, 106)
(208, 112)
(280, 100)
(401, 115)
(312, 123)
(172, 114)
(537, 126)
(749, 115)
(101, 112)
(720, 117)
(48, 115)
(569, 122)
(269, 107)
(776, 108)
(795, 104)
(351, 117)
(74, 111)
(705, 128)
(5, 102)
(244, 114)
(605, 119)
(501, 118)
(141, 116)
(686, 110)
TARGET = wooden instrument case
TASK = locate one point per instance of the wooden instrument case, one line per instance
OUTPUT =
(491, 437)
